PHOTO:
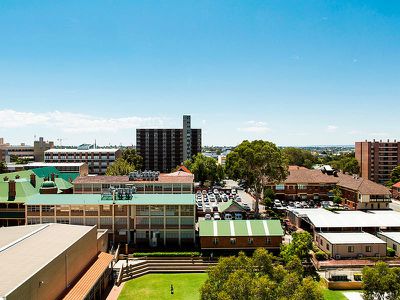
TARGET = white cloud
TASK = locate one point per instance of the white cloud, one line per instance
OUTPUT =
(331, 128)
(379, 134)
(255, 127)
(74, 122)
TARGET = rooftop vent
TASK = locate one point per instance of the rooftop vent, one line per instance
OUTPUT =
(145, 175)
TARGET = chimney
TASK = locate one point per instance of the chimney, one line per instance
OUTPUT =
(52, 177)
(33, 180)
(11, 190)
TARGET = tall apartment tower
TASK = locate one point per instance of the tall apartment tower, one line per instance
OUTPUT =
(164, 149)
(377, 159)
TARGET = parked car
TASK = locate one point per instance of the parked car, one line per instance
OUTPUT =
(199, 205)
(238, 199)
(207, 217)
(204, 192)
(238, 216)
(217, 216)
(228, 216)
(246, 207)
(216, 192)
(207, 208)
(211, 198)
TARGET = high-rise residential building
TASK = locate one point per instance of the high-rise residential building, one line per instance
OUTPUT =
(377, 159)
(97, 159)
(164, 149)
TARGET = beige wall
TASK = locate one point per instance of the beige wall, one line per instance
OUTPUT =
(102, 242)
(390, 243)
(59, 273)
(342, 250)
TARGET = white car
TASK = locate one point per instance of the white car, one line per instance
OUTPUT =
(207, 208)
(207, 217)
(217, 216)
(228, 217)
(211, 198)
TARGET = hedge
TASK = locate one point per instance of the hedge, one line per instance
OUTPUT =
(165, 254)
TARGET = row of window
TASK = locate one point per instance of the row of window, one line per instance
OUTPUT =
(250, 241)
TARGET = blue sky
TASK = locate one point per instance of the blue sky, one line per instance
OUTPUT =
(293, 72)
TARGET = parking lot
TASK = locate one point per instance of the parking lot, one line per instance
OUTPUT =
(209, 202)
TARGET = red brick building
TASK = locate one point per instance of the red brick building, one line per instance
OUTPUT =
(377, 159)
(305, 184)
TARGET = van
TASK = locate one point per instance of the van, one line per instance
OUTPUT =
(228, 217)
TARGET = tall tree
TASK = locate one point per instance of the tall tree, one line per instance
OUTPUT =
(394, 176)
(205, 169)
(132, 157)
(300, 246)
(119, 167)
(299, 157)
(381, 282)
(259, 163)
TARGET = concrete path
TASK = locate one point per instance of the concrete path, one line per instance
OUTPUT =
(353, 295)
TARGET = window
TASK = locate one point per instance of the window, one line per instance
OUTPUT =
(172, 210)
(187, 210)
(350, 249)
(327, 246)
(47, 208)
(368, 249)
(301, 186)
(233, 241)
(394, 247)
(33, 208)
(62, 220)
(279, 187)
(142, 210)
(215, 241)
(250, 241)
(268, 240)
(156, 210)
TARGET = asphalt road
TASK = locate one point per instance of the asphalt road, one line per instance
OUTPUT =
(246, 198)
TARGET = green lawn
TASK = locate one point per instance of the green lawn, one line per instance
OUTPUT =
(333, 295)
(157, 286)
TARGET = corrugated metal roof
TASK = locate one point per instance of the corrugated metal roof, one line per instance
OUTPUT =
(232, 228)
(351, 238)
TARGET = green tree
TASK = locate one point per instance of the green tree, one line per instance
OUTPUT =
(119, 167)
(299, 157)
(3, 167)
(132, 157)
(300, 246)
(394, 176)
(260, 277)
(205, 169)
(269, 196)
(337, 195)
(258, 163)
(381, 282)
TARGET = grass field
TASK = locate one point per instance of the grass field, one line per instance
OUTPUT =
(157, 286)
(333, 295)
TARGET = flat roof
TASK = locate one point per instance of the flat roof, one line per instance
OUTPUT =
(233, 228)
(322, 218)
(393, 235)
(177, 177)
(95, 199)
(24, 250)
(48, 164)
(351, 238)
(69, 150)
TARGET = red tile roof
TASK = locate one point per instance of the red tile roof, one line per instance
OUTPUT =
(363, 185)
(89, 279)
(397, 185)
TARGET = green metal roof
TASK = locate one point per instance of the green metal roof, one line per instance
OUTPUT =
(24, 188)
(233, 228)
(95, 199)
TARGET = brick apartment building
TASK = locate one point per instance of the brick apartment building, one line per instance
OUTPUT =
(377, 159)
(164, 149)
(97, 159)
(306, 184)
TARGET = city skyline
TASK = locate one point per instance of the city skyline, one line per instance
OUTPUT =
(309, 74)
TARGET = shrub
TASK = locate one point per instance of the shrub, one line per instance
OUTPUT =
(321, 255)
(390, 252)
(166, 254)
